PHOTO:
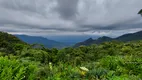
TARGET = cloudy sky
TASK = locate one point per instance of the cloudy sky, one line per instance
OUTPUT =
(70, 17)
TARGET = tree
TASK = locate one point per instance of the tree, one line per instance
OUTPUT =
(140, 12)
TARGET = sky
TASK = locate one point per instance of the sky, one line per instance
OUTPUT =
(70, 17)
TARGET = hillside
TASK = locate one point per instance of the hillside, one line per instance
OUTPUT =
(9, 43)
(130, 37)
(41, 40)
(124, 38)
(5, 37)
(107, 61)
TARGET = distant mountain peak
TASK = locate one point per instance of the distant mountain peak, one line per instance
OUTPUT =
(124, 38)
(104, 37)
(90, 39)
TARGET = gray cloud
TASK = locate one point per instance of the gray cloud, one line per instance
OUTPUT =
(26, 6)
(70, 17)
(67, 8)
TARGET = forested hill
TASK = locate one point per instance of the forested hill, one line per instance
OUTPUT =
(10, 43)
(124, 38)
(130, 37)
(107, 61)
(5, 37)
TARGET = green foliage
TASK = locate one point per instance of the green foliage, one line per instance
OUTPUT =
(15, 70)
(107, 61)
(35, 55)
(9, 38)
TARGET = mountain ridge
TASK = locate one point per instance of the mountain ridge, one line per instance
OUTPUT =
(41, 40)
(124, 38)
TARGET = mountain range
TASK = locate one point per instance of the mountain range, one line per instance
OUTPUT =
(124, 38)
(55, 44)
(41, 40)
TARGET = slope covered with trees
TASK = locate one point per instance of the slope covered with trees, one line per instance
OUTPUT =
(9, 38)
(10, 43)
(106, 61)
(124, 38)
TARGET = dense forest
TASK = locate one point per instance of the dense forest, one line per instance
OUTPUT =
(113, 60)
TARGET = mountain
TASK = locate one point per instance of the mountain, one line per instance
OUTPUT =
(41, 40)
(71, 39)
(91, 41)
(8, 38)
(86, 42)
(130, 37)
(124, 38)
(9, 43)
(102, 39)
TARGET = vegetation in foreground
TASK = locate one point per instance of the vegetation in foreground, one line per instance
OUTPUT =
(107, 61)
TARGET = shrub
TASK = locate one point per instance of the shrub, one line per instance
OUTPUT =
(16, 70)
